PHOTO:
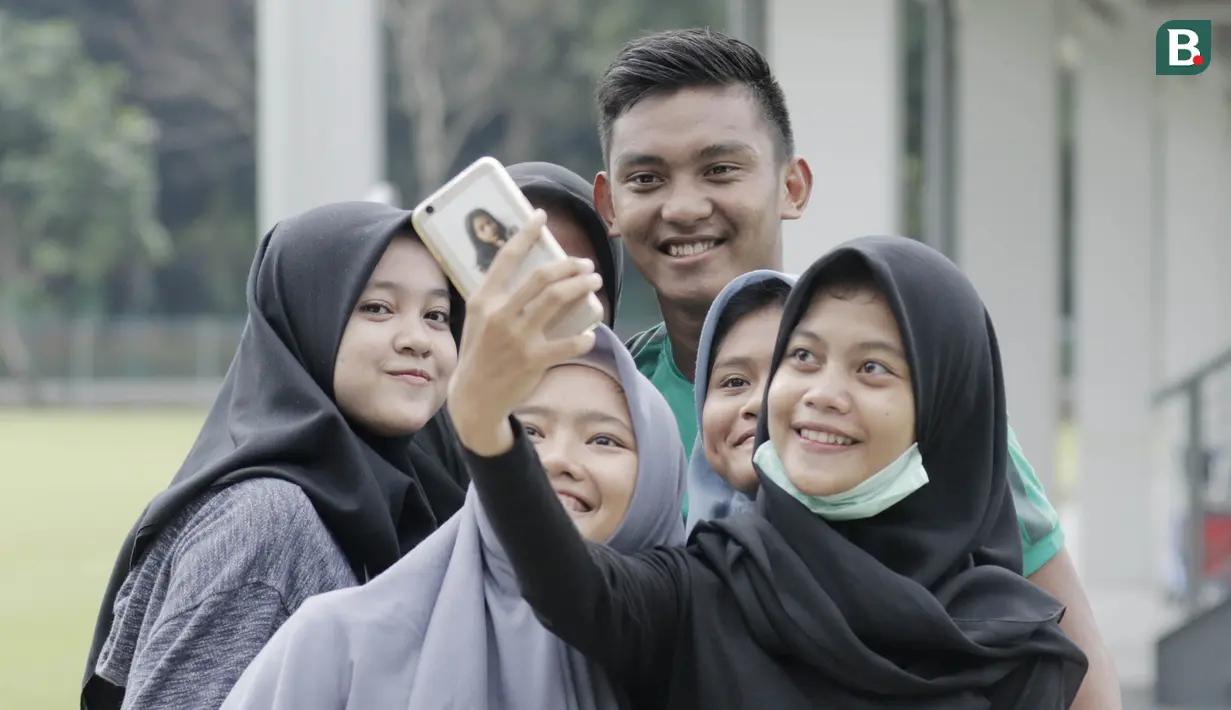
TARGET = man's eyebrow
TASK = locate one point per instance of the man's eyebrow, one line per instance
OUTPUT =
(724, 149)
(627, 161)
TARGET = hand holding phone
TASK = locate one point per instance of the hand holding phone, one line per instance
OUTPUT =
(506, 348)
(474, 217)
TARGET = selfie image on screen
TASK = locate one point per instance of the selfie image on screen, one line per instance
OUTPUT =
(485, 216)
(487, 235)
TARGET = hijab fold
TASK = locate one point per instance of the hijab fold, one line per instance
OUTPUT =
(275, 415)
(924, 604)
(447, 627)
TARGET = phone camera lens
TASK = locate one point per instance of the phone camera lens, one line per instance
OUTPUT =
(430, 209)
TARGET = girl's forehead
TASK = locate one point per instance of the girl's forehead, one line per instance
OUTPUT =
(580, 396)
(571, 384)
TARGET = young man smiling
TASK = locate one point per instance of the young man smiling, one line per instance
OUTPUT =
(700, 173)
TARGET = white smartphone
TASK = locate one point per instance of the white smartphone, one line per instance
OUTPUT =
(466, 222)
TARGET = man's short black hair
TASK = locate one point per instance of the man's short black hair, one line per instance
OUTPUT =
(667, 62)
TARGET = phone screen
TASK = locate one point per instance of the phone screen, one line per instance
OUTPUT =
(469, 225)
(484, 213)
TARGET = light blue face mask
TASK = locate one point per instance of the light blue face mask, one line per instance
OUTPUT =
(871, 497)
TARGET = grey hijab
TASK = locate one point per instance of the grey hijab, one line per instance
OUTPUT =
(446, 627)
(710, 497)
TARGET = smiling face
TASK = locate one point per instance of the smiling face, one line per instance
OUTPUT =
(397, 353)
(733, 397)
(841, 407)
(698, 192)
(579, 422)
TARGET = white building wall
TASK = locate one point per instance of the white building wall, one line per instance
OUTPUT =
(839, 64)
(1008, 216)
(1116, 323)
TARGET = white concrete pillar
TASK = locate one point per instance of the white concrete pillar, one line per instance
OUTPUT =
(1007, 207)
(321, 119)
(1196, 149)
(1116, 332)
(840, 65)
(1221, 103)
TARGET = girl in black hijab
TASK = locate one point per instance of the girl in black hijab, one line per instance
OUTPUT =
(304, 478)
(882, 567)
(568, 200)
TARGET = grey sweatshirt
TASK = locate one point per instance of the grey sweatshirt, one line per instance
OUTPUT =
(212, 589)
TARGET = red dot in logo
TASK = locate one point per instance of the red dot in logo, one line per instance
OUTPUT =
(1198, 60)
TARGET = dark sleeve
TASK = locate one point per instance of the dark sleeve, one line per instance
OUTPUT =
(623, 611)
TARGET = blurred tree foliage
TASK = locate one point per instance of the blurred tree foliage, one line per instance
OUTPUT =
(514, 78)
(511, 78)
(78, 184)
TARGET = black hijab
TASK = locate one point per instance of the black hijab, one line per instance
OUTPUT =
(554, 182)
(275, 415)
(923, 605)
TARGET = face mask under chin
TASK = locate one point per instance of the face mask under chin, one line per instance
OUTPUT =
(872, 496)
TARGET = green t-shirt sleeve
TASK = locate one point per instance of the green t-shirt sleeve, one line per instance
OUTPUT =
(1042, 536)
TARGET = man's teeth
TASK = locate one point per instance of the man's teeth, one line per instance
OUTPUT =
(690, 249)
(826, 437)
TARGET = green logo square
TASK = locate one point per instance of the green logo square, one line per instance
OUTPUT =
(1183, 47)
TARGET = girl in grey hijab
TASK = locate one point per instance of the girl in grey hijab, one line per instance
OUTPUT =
(446, 627)
(731, 369)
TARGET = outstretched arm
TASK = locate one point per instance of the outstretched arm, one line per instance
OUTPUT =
(622, 611)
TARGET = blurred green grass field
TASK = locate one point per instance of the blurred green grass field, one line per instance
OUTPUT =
(73, 482)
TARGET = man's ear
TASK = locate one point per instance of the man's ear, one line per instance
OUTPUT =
(604, 204)
(798, 183)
